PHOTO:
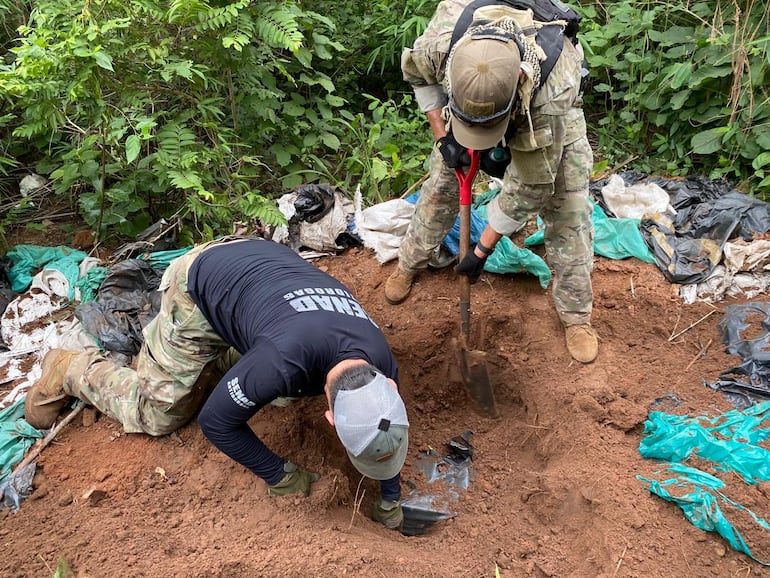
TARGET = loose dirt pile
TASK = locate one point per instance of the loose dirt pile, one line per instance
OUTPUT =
(553, 489)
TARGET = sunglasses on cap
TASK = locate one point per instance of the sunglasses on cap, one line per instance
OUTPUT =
(490, 120)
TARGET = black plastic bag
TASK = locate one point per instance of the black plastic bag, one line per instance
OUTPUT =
(126, 302)
(688, 246)
(745, 331)
(313, 202)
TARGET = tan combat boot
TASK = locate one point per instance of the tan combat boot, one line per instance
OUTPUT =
(582, 342)
(46, 397)
(398, 286)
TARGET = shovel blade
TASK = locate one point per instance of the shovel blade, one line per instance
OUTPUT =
(473, 367)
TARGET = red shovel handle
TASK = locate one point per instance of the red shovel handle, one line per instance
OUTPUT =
(466, 179)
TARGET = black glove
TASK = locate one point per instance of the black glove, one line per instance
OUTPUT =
(471, 266)
(455, 155)
(494, 161)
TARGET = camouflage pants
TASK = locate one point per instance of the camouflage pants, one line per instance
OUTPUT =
(180, 360)
(548, 176)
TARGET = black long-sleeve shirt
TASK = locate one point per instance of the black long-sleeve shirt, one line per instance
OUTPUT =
(291, 323)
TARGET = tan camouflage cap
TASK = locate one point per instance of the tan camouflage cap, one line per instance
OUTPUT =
(483, 74)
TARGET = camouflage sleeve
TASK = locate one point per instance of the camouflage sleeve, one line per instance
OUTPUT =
(424, 64)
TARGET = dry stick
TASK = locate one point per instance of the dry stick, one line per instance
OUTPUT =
(619, 166)
(706, 316)
(49, 438)
(699, 355)
(633, 292)
(413, 188)
(617, 568)
(678, 318)
(357, 502)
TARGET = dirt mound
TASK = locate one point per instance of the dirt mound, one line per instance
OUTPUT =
(553, 490)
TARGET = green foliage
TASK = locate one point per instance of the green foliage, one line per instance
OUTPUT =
(381, 156)
(397, 31)
(143, 109)
(138, 108)
(682, 87)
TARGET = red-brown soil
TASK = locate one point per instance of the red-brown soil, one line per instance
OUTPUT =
(553, 489)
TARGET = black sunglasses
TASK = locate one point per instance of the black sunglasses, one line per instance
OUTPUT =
(482, 120)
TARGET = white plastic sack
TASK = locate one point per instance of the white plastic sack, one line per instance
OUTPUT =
(635, 201)
(745, 274)
(322, 235)
(742, 256)
(381, 227)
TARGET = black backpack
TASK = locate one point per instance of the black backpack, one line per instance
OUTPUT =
(549, 38)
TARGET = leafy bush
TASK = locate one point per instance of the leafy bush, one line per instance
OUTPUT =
(679, 88)
(140, 108)
(385, 153)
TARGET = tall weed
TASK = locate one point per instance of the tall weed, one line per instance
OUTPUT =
(682, 87)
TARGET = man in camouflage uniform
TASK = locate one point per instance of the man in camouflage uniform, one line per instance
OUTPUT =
(245, 323)
(487, 93)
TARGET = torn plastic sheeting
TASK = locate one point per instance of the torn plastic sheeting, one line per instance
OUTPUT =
(16, 437)
(709, 213)
(452, 470)
(127, 301)
(333, 231)
(54, 282)
(752, 376)
(160, 259)
(20, 324)
(17, 486)
(313, 202)
(737, 322)
(89, 284)
(704, 208)
(450, 473)
(748, 256)
(614, 238)
(506, 258)
(634, 201)
(698, 495)
(29, 258)
(682, 260)
(714, 209)
(724, 283)
(420, 514)
(729, 442)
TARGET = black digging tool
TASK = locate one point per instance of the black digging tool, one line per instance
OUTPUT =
(473, 364)
(419, 518)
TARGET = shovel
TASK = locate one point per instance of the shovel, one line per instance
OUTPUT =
(473, 364)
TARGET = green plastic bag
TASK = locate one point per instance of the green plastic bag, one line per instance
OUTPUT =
(16, 436)
(90, 282)
(507, 257)
(28, 259)
(730, 440)
(613, 238)
(730, 443)
(698, 494)
(161, 259)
